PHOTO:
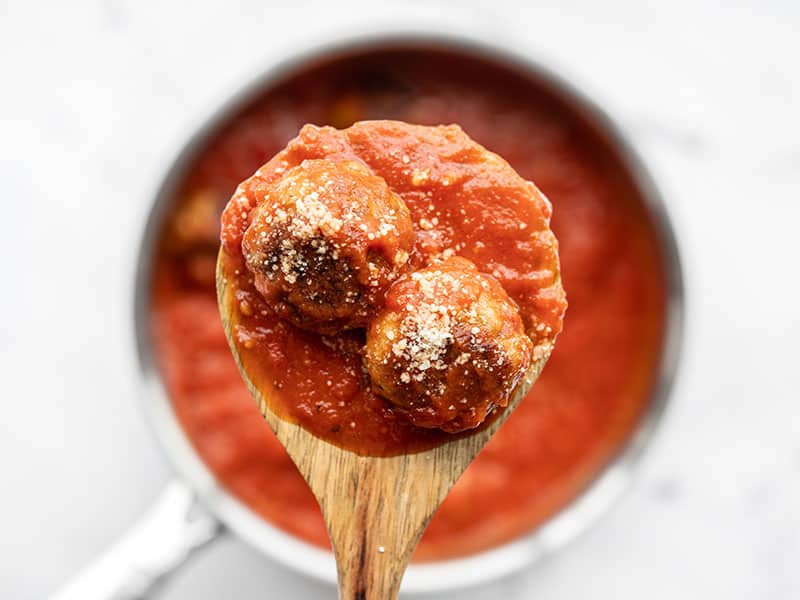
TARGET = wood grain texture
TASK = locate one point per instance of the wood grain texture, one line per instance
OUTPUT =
(375, 508)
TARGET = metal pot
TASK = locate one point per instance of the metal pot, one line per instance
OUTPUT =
(194, 507)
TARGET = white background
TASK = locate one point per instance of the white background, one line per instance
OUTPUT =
(95, 98)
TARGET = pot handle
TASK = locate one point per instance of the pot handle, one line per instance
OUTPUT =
(162, 539)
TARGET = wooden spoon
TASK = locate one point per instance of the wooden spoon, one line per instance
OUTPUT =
(375, 508)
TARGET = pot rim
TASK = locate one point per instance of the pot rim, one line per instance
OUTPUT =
(574, 517)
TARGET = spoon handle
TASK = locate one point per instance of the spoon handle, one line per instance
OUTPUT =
(376, 514)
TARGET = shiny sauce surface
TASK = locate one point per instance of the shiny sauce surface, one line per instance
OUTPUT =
(464, 202)
(597, 382)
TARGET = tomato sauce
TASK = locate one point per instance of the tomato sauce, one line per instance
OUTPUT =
(598, 380)
(470, 203)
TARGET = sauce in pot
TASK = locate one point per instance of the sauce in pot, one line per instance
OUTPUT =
(599, 378)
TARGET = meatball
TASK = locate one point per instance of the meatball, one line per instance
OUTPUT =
(449, 346)
(325, 244)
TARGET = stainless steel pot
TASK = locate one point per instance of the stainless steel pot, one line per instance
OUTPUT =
(194, 507)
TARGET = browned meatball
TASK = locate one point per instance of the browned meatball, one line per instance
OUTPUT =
(325, 244)
(448, 347)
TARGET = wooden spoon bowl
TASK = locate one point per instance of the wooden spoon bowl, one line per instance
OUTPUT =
(375, 508)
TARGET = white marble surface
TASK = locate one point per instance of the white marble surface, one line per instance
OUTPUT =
(96, 97)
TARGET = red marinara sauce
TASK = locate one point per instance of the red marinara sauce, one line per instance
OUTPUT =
(602, 371)
(463, 200)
